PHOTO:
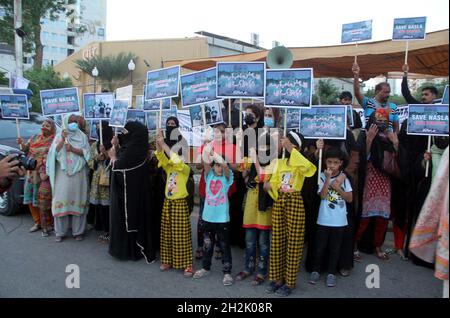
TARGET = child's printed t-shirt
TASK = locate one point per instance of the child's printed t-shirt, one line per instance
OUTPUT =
(288, 175)
(177, 175)
(217, 205)
(333, 209)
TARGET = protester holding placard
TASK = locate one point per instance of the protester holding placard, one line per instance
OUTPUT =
(381, 100)
(216, 216)
(176, 236)
(36, 192)
(68, 172)
(288, 215)
(429, 93)
(131, 198)
(379, 148)
(223, 146)
(271, 117)
(100, 191)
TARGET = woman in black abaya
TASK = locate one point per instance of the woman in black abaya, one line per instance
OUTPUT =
(131, 197)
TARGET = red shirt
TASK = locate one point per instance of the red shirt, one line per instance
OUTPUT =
(224, 149)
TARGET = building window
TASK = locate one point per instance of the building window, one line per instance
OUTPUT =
(101, 32)
(71, 40)
(70, 52)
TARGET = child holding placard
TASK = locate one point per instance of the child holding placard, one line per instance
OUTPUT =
(176, 239)
(216, 213)
(288, 215)
(334, 190)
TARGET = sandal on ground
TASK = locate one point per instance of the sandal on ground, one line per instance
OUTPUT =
(402, 255)
(188, 272)
(242, 275)
(200, 273)
(383, 256)
(357, 257)
(59, 239)
(258, 280)
(390, 251)
(165, 267)
(79, 238)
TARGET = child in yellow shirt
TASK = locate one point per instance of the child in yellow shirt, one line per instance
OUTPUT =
(176, 236)
(288, 215)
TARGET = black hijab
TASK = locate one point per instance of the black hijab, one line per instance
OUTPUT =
(134, 146)
(177, 137)
(380, 144)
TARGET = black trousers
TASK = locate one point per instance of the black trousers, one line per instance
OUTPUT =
(328, 238)
(221, 231)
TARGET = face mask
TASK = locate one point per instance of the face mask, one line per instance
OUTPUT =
(169, 130)
(72, 126)
(269, 122)
(249, 120)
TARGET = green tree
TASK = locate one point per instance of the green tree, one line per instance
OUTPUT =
(3, 79)
(33, 11)
(44, 78)
(111, 68)
(396, 99)
(326, 93)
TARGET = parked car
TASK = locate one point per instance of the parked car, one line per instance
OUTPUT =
(12, 200)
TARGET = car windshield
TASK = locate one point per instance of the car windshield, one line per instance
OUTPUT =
(27, 129)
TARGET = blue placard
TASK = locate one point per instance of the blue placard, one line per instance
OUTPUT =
(154, 105)
(199, 87)
(152, 118)
(93, 129)
(293, 118)
(356, 32)
(428, 120)
(60, 101)
(290, 88)
(324, 122)
(96, 106)
(409, 29)
(213, 114)
(136, 115)
(244, 80)
(14, 106)
(162, 83)
(119, 113)
(445, 96)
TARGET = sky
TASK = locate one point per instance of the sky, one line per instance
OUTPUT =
(294, 23)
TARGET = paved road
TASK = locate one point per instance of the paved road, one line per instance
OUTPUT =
(32, 266)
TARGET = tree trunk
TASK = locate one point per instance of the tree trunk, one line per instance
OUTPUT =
(39, 48)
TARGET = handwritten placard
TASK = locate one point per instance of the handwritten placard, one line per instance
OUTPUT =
(162, 83)
(356, 32)
(14, 106)
(152, 118)
(325, 122)
(59, 101)
(199, 87)
(407, 29)
(136, 115)
(240, 80)
(428, 120)
(289, 88)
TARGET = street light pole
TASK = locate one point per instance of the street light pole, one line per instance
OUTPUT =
(94, 75)
(17, 39)
(131, 68)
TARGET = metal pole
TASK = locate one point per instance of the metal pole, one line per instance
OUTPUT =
(18, 39)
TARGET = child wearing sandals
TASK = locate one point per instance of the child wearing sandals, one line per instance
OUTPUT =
(334, 190)
(216, 215)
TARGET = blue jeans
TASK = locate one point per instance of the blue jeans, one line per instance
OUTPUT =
(252, 237)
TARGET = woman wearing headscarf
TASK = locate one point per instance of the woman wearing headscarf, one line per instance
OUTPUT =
(99, 194)
(131, 196)
(37, 193)
(68, 171)
(375, 144)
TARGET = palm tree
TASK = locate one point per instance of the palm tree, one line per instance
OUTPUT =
(110, 68)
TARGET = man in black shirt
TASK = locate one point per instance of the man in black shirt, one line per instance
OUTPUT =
(429, 93)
